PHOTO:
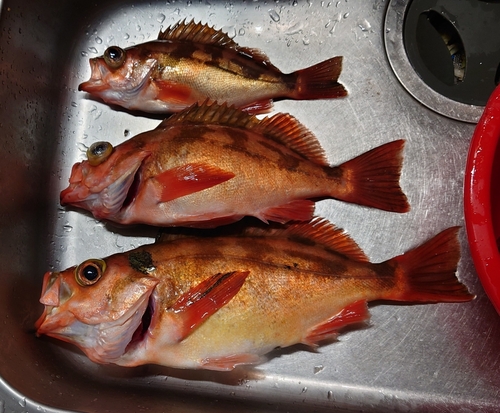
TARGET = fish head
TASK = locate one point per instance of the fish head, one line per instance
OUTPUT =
(98, 305)
(105, 181)
(119, 75)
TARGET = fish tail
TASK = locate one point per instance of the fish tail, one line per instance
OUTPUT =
(428, 272)
(318, 82)
(372, 179)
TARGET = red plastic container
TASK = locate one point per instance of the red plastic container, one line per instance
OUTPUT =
(482, 198)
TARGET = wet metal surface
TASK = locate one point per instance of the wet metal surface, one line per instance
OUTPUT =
(440, 357)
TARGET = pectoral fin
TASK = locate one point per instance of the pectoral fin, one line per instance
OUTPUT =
(203, 300)
(187, 179)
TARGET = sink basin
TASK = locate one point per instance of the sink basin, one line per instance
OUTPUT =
(440, 357)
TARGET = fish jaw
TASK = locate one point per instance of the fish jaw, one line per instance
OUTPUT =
(103, 338)
(123, 86)
(104, 189)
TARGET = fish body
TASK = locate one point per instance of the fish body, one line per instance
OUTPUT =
(191, 63)
(214, 303)
(213, 164)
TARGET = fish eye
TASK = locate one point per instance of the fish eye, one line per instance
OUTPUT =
(114, 57)
(89, 272)
(99, 152)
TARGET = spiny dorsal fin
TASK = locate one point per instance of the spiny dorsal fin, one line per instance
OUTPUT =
(212, 114)
(205, 34)
(318, 230)
(281, 128)
(284, 128)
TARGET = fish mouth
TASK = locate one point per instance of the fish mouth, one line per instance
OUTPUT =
(96, 83)
(145, 325)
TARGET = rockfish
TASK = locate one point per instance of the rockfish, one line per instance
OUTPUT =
(191, 62)
(214, 303)
(211, 165)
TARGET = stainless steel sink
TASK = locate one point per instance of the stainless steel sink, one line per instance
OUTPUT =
(440, 357)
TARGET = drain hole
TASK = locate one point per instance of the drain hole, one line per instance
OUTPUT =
(446, 63)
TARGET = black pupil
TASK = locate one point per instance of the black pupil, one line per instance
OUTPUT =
(114, 53)
(90, 273)
(99, 149)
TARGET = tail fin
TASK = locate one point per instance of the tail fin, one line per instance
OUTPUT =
(319, 81)
(427, 273)
(372, 179)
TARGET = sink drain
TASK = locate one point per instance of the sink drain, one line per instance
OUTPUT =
(446, 53)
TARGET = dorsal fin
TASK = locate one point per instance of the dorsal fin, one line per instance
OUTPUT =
(212, 114)
(286, 129)
(205, 34)
(282, 128)
(318, 230)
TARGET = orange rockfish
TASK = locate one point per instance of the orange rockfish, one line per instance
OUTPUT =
(213, 303)
(192, 62)
(211, 165)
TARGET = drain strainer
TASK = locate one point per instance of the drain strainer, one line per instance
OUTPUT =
(446, 53)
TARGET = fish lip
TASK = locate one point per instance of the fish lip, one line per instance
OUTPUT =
(96, 82)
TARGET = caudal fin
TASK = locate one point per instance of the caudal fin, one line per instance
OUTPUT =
(319, 81)
(372, 179)
(427, 273)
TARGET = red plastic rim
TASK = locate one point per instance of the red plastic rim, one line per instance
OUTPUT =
(482, 198)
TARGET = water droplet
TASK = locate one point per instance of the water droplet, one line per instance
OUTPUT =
(126, 132)
(296, 28)
(346, 15)
(304, 389)
(98, 40)
(306, 41)
(126, 36)
(295, 2)
(318, 369)
(388, 30)
(364, 25)
(22, 402)
(241, 32)
(74, 104)
(274, 15)
(67, 228)
(230, 31)
(84, 53)
(160, 18)
(82, 147)
(92, 49)
(329, 395)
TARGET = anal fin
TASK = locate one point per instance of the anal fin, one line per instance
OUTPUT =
(297, 210)
(356, 312)
(227, 363)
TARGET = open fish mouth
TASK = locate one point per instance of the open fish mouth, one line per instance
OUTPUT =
(145, 325)
(96, 82)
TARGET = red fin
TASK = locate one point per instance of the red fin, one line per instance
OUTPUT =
(319, 81)
(372, 179)
(318, 230)
(173, 92)
(287, 130)
(427, 273)
(298, 210)
(260, 107)
(190, 178)
(203, 300)
(356, 312)
(230, 362)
